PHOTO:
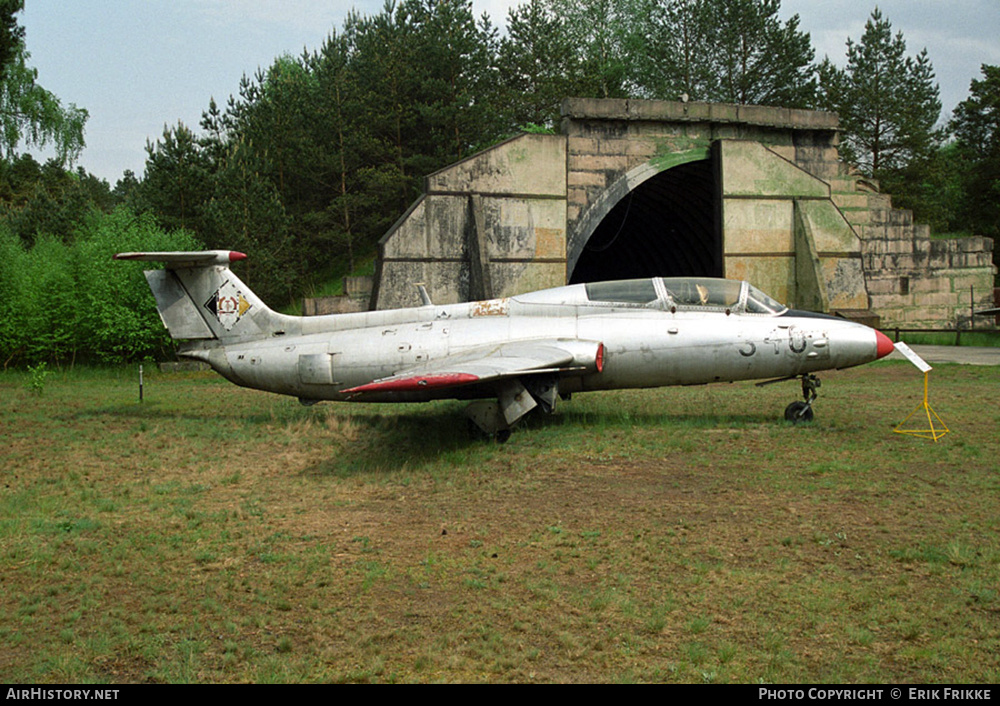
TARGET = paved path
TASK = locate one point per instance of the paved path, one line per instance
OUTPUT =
(968, 355)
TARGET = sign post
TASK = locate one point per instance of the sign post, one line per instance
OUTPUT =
(932, 431)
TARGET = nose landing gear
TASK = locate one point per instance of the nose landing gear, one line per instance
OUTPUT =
(802, 412)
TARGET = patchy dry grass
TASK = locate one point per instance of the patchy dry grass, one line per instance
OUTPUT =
(219, 534)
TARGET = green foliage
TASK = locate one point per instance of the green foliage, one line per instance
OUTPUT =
(734, 51)
(65, 303)
(759, 60)
(534, 129)
(315, 157)
(540, 64)
(119, 315)
(36, 378)
(597, 29)
(29, 114)
(12, 284)
(932, 188)
(11, 33)
(37, 198)
(177, 175)
(976, 124)
(672, 60)
(37, 308)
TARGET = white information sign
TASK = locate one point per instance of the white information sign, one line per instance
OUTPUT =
(908, 353)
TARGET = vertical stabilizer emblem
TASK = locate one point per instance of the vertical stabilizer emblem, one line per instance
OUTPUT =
(228, 305)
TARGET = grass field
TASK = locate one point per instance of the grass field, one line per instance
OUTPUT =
(216, 534)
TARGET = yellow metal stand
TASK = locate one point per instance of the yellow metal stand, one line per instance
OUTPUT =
(931, 432)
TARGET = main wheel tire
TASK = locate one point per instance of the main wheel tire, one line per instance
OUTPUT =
(798, 413)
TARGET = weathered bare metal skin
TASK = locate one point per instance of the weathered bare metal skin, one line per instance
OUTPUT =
(519, 351)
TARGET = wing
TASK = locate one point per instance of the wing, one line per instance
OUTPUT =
(492, 363)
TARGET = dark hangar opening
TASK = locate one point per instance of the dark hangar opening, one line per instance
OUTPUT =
(665, 227)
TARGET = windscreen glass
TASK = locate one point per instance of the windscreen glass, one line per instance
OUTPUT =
(760, 303)
(692, 291)
(632, 291)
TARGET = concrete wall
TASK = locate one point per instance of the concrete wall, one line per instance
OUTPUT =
(356, 297)
(783, 233)
(492, 225)
(916, 281)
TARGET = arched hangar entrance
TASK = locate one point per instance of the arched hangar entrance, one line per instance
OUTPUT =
(666, 226)
(633, 189)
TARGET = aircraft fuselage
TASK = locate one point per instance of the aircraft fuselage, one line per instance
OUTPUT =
(523, 351)
(321, 357)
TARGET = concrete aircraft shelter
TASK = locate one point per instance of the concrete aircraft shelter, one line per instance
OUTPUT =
(655, 188)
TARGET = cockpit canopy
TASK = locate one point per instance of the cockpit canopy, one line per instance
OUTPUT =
(671, 293)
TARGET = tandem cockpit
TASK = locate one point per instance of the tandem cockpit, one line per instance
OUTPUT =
(665, 293)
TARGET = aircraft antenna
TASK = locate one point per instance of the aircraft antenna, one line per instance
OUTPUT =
(425, 298)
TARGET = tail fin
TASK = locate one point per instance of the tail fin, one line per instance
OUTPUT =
(198, 297)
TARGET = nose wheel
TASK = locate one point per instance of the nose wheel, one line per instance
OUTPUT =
(802, 412)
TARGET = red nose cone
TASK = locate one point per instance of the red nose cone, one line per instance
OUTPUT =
(885, 346)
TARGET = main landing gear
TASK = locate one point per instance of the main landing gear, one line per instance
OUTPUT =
(799, 412)
(515, 398)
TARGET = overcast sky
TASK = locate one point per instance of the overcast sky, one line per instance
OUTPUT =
(137, 65)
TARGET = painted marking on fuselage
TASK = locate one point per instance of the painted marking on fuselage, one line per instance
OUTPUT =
(797, 341)
(776, 339)
(493, 307)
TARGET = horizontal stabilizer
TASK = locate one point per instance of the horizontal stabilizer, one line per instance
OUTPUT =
(176, 260)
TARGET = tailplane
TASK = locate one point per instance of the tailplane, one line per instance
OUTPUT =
(200, 298)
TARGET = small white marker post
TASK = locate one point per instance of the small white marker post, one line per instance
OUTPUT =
(931, 432)
(140, 382)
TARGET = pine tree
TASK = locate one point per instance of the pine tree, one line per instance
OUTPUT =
(538, 62)
(976, 125)
(887, 101)
(597, 29)
(670, 58)
(176, 183)
(758, 60)
(728, 51)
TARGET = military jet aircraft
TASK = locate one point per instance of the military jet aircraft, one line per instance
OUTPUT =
(508, 356)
